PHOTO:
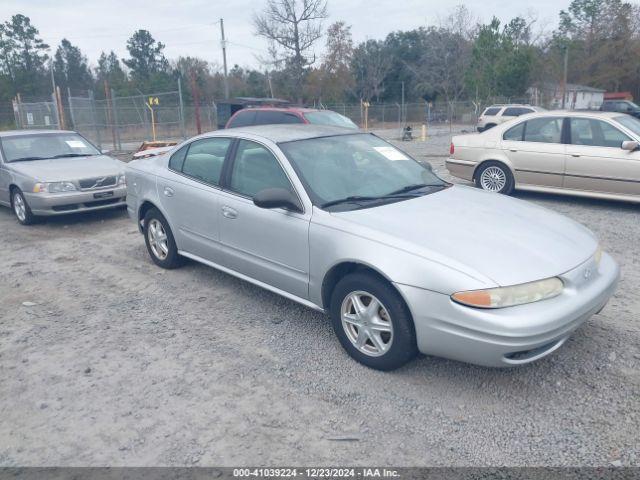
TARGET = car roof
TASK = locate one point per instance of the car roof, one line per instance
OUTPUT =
(573, 113)
(284, 132)
(282, 109)
(14, 133)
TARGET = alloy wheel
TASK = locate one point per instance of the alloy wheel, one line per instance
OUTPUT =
(19, 207)
(493, 179)
(158, 239)
(367, 323)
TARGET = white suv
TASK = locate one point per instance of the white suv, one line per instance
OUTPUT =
(497, 114)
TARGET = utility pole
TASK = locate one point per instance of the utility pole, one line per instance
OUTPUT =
(564, 75)
(224, 60)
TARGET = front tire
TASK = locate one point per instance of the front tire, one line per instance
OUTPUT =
(21, 208)
(372, 322)
(495, 177)
(159, 240)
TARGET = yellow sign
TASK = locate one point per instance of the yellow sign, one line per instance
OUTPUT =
(153, 101)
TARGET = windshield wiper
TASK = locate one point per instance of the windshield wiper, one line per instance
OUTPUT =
(69, 155)
(417, 186)
(26, 159)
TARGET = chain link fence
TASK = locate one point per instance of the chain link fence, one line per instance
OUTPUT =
(123, 122)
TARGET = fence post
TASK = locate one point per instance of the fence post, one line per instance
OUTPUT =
(54, 100)
(115, 118)
(183, 130)
(71, 113)
(94, 118)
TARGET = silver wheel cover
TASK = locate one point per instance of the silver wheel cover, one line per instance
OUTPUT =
(158, 239)
(367, 323)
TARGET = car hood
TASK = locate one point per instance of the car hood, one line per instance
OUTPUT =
(485, 235)
(75, 168)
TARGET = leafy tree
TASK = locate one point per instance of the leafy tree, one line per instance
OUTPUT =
(71, 68)
(146, 60)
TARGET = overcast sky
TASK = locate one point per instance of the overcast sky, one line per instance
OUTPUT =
(189, 27)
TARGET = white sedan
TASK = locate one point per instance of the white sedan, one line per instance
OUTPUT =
(591, 154)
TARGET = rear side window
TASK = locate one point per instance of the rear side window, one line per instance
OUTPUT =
(242, 119)
(515, 133)
(270, 117)
(177, 159)
(516, 111)
(205, 158)
(543, 130)
(493, 111)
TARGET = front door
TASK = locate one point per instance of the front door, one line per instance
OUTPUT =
(536, 151)
(269, 245)
(189, 193)
(595, 161)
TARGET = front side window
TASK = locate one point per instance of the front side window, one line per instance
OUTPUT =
(204, 159)
(543, 130)
(629, 122)
(45, 146)
(595, 133)
(255, 169)
(361, 170)
(512, 112)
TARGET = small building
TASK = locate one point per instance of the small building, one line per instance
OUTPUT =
(577, 97)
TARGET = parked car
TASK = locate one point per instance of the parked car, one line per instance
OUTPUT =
(50, 172)
(498, 114)
(621, 106)
(151, 149)
(591, 154)
(347, 224)
(291, 115)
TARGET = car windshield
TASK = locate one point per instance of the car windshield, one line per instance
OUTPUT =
(329, 118)
(632, 123)
(348, 172)
(42, 146)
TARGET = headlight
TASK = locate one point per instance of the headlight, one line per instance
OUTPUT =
(122, 180)
(54, 187)
(502, 297)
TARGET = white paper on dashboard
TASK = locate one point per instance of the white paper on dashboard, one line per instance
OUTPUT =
(391, 153)
(75, 143)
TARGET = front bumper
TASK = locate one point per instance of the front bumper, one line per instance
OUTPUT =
(49, 204)
(515, 335)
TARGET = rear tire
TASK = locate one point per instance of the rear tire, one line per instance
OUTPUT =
(379, 335)
(159, 239)
(21, 208)
(495, 177)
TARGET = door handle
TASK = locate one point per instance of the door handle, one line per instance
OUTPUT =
(575, 155)
(229, 212)
(512, 150)
(168, 191)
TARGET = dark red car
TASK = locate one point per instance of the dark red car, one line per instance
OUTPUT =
(272, 115)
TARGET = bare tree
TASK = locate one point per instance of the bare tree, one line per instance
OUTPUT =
(293, 26)
(371, 62)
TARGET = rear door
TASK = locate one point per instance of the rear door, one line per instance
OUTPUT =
(269, 245)
(189, 193)
(595, 161)
(536, 151)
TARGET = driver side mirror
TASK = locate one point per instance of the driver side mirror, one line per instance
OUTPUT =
(629, 145)
(105, 151)
(277, 198)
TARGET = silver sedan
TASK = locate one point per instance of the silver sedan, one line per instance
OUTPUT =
(347, 224)
(49, 172)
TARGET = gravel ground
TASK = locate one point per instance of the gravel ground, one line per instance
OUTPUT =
(106, 359)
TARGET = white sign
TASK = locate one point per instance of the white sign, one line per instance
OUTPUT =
(47, 120)
(391, 153)
(30, 118)
(75, 143)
